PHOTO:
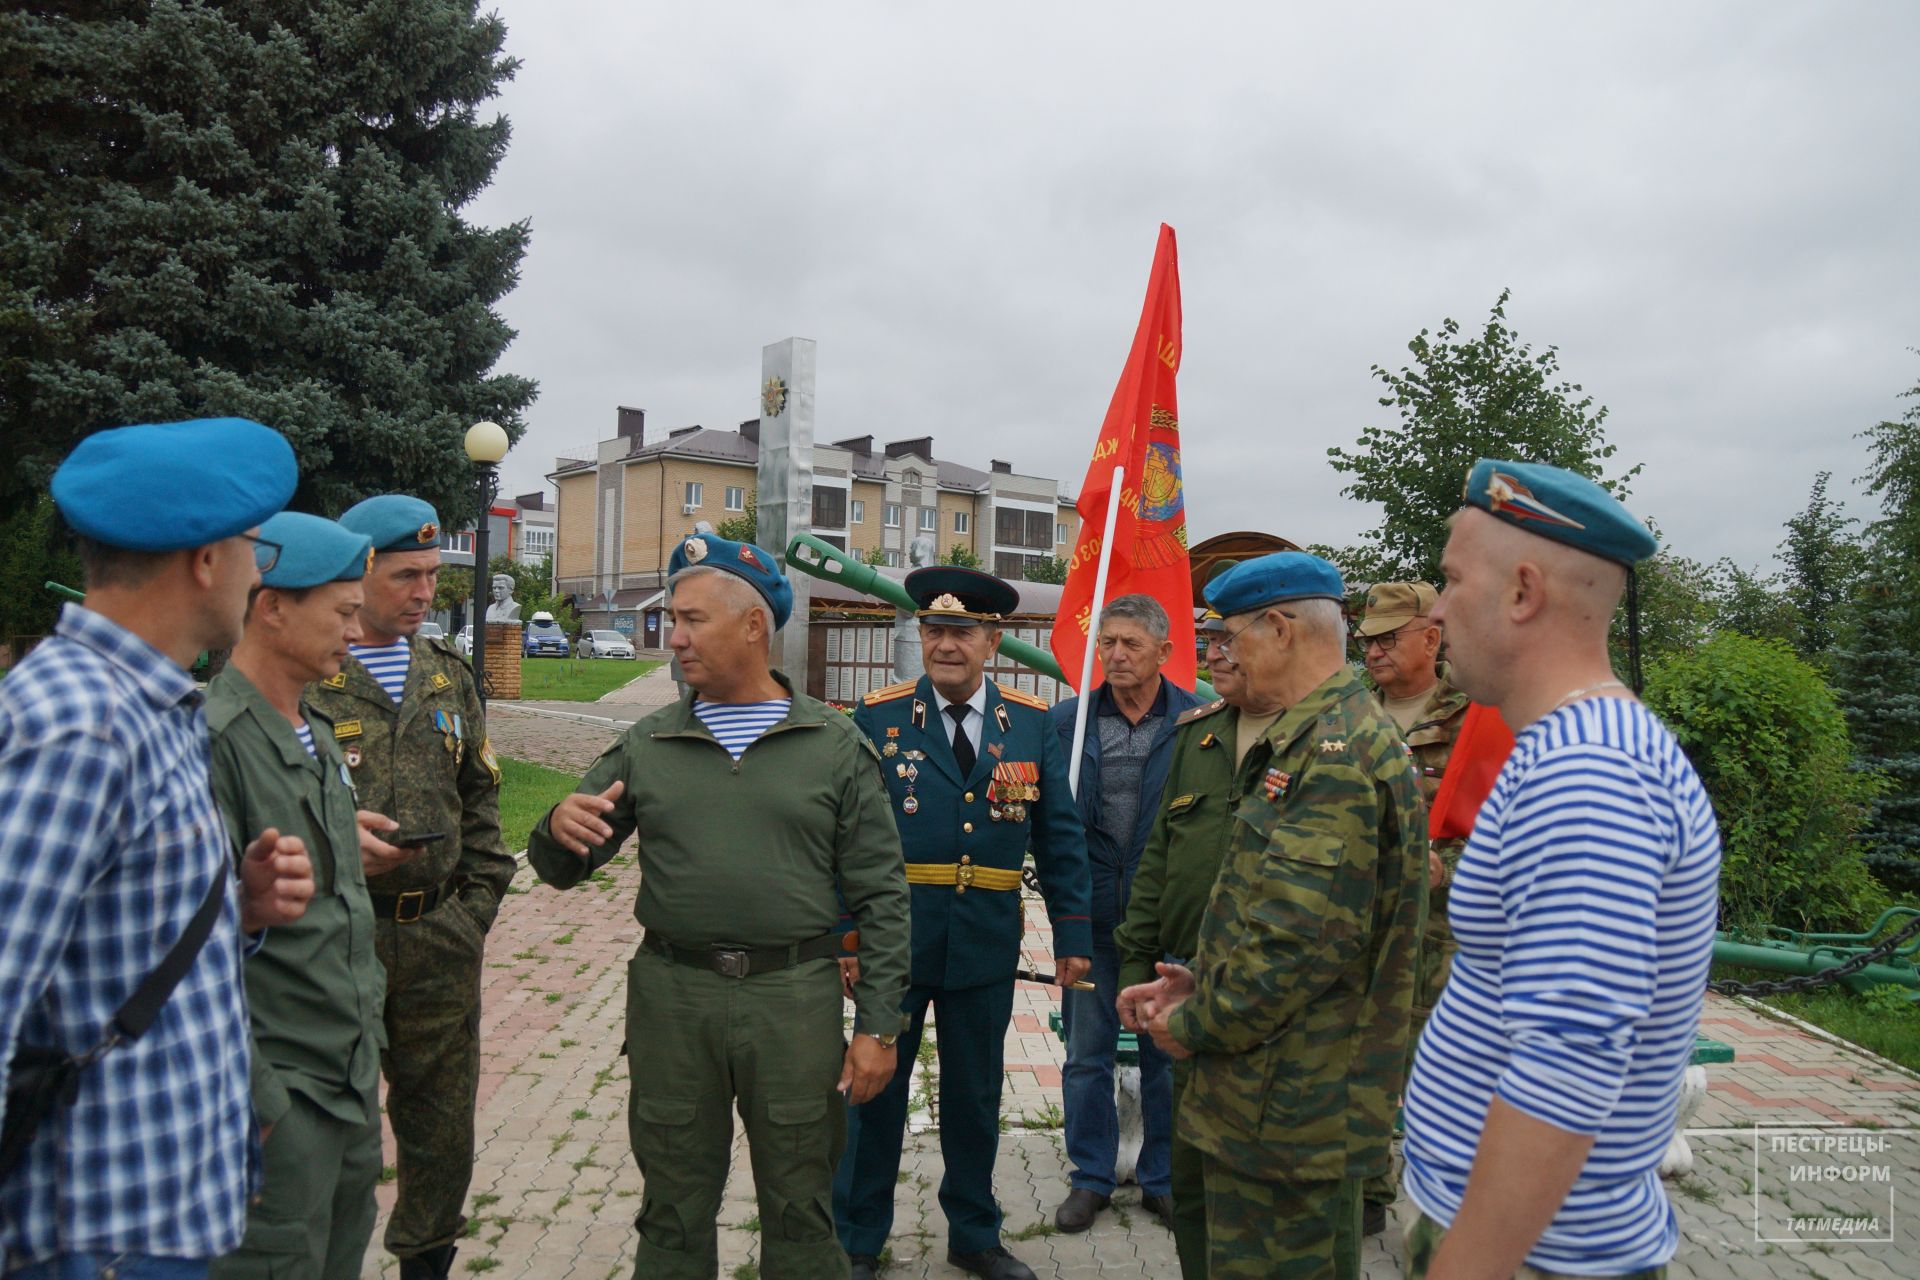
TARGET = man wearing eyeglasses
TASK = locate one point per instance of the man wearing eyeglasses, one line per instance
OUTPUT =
(1400, 644)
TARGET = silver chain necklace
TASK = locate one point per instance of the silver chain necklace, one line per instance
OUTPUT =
(1581, 693)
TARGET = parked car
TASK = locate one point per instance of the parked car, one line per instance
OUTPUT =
(606, 644)
(543, 637)
(464, 641)
(432, 631)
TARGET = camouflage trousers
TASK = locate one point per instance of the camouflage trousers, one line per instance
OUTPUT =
(1261, 1229)
(1437, 948)
(1423, 1241)
(432, 1065)
(1187, 1169)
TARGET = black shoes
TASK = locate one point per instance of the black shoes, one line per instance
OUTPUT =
(1160, 1207)
(1076, 1212)
(1373, 1219)
(865, 1266)
(992, 1264)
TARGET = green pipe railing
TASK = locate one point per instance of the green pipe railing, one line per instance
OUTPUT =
(1779, 950)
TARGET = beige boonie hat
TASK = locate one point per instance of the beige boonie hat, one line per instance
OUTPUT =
(1392, 605)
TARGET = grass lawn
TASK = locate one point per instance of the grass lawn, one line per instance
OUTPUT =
(1883, 1023)
(527, 791)
(576, 679)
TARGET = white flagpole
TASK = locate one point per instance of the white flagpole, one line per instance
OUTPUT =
(1093, 631)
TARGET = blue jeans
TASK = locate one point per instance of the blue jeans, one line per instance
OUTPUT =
(112, 1266)
(1093, 1126)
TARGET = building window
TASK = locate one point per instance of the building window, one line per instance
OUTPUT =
(458, 542)
(859, 511)
(893, 558)
(536, 544)
(1010, 565)
(962, 522)
(736, 497)
(695, 492)
(929, 520)
(911, 479)
(891, 515)
(829, 508)
(1016, 528)
(1060, 533)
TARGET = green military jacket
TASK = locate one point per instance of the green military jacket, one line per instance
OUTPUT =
(1431, 739)
(1306, 959)
(749, 853)
(315, 987)
(426, 764)
(1183, 851)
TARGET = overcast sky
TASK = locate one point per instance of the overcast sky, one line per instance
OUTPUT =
(1699, 204)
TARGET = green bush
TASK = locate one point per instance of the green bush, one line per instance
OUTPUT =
(1771, 745)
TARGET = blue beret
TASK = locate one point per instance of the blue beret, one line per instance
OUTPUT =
(1273, 579)
(314, 550)
(1556, 503)
(960, 597)
(742, 560)
(170, 485)
(395, 522)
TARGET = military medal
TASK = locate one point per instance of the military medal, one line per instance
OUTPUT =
(352, 754)
(891, 749)
(1275, 784)
(910, 804)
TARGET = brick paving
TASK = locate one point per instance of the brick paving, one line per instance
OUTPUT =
(555, 1189)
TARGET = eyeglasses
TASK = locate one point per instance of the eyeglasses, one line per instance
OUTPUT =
(265, 554)
(1384, 642)
(1222, 642)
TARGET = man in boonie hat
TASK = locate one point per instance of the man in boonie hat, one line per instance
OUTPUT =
(1585, 905)
(413, 732)
(114, 848)
(315, 988)
(1304, 965)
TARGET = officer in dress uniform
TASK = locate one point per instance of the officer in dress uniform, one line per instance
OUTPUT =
(976, 777)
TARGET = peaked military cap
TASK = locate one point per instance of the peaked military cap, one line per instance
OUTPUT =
(1210, 621)
(171, 485)
(1273, 579)
(1558, 504)
(959, 597)
(314, 550)
(1392, 605)
(743, 560)
(395, 522)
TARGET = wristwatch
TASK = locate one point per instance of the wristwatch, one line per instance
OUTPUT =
(886, 1041)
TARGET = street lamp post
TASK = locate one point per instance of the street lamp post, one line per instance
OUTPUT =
(486, 444)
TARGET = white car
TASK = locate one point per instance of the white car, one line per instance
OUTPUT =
(431, 631)
(464, 641)
(606, 644)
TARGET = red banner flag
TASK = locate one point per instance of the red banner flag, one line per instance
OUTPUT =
(1482, 748)
(1142, 434)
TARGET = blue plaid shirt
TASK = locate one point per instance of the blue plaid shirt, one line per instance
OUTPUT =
(108, 837)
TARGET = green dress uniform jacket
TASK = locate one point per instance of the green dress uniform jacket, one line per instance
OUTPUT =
(1306, 957)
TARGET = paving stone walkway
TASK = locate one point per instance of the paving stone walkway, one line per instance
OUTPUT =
(555, 1190)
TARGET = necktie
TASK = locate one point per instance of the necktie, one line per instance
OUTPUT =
(962, 747)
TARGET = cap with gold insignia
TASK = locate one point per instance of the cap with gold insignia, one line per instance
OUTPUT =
(314, 550)
(960, 597)
(755, 565)
(395, 522)
(170, 485)
(1392, 605)
(1210, 621)
(1558, 504)
(1274, 579)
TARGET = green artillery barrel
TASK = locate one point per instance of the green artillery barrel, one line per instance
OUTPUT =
(822, 560)
(1795, 961)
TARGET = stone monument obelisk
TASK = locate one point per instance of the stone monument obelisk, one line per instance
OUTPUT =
(785, 482)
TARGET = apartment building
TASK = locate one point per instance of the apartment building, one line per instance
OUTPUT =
(621, 512)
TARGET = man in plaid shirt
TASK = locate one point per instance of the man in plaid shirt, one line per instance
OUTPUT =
(109, 841)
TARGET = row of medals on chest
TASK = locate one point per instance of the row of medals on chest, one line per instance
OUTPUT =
(1006, 801)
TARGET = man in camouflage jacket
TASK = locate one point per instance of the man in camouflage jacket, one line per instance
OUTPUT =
(1295, 1009)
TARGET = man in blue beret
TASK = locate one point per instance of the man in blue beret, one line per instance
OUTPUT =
(315, 989)
(977, 777)
(1295, 1008)
(1545, 1086)
(759, 810)
(413, 732)
(115, 851)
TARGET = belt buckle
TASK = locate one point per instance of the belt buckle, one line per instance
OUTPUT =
(731, 964)
(963, 877)
(417, 898)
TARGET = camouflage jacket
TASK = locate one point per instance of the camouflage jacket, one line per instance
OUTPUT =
(1305, 964)
(426, 764)
(1431, 739)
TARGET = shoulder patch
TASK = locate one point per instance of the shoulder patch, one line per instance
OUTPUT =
(439, 680)
(1024, 699)
(891, 692)
(338, 680)
(1204, 709)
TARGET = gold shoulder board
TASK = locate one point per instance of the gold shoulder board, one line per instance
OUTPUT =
(891, 692)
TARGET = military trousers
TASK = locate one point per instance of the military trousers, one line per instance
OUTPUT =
(972, 1024)
(1437, 948)
(1189, 1176)
(432, 1065)
(1267, 1229)
(700, 1044)
(315, 1213)
(1423, 1241)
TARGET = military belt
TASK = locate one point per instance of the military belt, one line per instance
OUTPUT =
(405, 908)
(963, 875)
(742, 962)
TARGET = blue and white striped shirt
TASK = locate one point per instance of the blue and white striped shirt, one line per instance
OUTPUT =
(304, 732)
(1584, 907)
(738, 725)
(387, 664)
(108, 841)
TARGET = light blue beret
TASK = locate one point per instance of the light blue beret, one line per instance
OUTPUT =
(314, 550)
(742, 560)
(1273, 579)
(170, 485)
(1559, 504)
(395, 522)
